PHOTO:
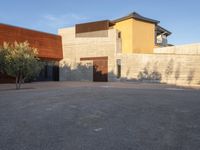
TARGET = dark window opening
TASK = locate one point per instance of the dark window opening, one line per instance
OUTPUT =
(119, 35)
(118, 68)
(49, 72)
(46, 71)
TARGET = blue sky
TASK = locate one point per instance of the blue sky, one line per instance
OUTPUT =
(181, 17)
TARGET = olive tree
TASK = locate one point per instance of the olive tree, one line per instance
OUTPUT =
(21, 61)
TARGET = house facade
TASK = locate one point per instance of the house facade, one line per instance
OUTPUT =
(94, 51)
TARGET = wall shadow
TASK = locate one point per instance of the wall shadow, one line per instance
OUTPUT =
(169, 69)
(148, 74)
(77, 73)
(177, 71)
(190, 75)
(85, 73)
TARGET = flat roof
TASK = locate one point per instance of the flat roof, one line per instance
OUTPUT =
(28, 29)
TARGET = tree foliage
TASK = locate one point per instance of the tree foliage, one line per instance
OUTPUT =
(3, 53)
(21, 61)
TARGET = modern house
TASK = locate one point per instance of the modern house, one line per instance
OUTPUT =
(105, 50)
(49, 47)
(128, 48)
(93, 51)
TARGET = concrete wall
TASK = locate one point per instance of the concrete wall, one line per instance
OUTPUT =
(165, 68)
(74, 48)
(193, 49)
(174, 65)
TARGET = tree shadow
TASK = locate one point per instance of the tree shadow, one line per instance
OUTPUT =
(169, 69)
(190, 76)
(76, 73)
(177, 71)
(150, 74)
(85, 72)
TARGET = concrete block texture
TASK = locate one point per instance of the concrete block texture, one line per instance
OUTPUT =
(190, 49)
(164, 68)
(173, 65)
(74, 48)
(76, 71)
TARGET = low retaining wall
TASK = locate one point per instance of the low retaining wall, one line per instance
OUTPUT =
(190, 49)
(164, 68)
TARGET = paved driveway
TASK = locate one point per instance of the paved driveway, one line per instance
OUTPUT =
(99, 116)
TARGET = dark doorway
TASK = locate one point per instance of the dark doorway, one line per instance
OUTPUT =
(118, 68)
(50, 72)
(100, 70)
(55, 73)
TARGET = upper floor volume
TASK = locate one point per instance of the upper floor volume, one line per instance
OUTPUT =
(137, 33)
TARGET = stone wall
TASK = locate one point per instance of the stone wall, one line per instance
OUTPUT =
(74, 48)
(164, 68)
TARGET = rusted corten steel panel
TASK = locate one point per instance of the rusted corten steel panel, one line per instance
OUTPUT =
(94, 58)
(93, 26)
(49, 45)
(100, 68)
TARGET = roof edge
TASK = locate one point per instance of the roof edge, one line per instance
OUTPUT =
(136, 16)
(34, 30)
(163, 29)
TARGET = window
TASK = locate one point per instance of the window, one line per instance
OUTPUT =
(118, 68)
(119, 35)
(46, 71)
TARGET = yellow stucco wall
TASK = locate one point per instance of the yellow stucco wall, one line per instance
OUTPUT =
(126, 29)
(137, 36)
(143, 37)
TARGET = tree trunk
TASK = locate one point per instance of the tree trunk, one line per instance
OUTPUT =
(20, 81)
(17, 82)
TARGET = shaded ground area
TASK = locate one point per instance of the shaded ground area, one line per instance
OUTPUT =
(99, 116)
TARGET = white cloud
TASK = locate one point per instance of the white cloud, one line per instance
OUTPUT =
(78, 17)
(51, 23)
(56, 21)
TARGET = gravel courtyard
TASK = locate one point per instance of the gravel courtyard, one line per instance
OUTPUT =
(99, 116)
